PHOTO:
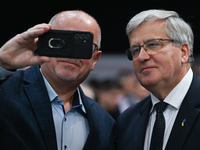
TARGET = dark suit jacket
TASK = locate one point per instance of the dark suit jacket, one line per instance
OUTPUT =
(26, 120)
(131, 125)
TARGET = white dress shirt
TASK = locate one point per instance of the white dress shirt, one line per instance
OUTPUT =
(174, 100)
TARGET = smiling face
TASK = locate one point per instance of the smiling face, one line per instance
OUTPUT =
(162, 71)
(66, 69)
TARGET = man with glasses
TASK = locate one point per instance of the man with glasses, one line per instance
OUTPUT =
(161, 48)
(44, 107)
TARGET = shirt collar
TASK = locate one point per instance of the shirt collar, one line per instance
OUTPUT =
(176, 96)
(53, 95)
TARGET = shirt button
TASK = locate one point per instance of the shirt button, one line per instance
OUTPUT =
(65, 147)
(65, 119)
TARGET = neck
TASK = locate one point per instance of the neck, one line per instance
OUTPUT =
(66, 95)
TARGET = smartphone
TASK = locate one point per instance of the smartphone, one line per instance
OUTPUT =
(66, 44)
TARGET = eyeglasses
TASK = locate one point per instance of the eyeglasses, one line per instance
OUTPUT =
(151, 47)
(95, 47)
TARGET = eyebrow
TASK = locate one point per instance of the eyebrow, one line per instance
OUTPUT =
(145, 41)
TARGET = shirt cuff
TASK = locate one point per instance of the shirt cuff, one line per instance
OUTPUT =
(5, 73)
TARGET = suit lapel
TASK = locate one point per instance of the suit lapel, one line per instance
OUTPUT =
(39, 99)
(93, 131)
(141, 121)
(179, 131)
(187, 112)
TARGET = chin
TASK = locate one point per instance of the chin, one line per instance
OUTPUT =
(148, 83)
(67, 77)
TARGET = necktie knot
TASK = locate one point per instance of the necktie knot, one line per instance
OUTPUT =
(160, 107)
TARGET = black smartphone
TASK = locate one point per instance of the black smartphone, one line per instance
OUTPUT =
(65, 43)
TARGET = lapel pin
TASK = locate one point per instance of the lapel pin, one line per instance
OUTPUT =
(183, 122)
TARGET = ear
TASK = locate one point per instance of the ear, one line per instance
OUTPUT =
(185, 50)
(95, 58)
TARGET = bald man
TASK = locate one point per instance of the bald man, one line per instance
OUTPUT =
(44, 107)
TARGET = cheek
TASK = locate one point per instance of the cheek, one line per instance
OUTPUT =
(136, 67)
(87, 65)
(50, 65)
(169, 66)
(172, 61)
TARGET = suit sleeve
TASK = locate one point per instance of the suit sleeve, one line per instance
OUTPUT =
(4, 74)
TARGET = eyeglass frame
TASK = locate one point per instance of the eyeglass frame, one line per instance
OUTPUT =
(129, 53)
(95, 47)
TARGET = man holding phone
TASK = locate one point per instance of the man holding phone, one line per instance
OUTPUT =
(44, 107)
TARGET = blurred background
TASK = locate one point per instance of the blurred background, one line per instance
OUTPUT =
(112, 83)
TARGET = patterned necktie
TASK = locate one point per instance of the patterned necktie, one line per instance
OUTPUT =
(159, 127)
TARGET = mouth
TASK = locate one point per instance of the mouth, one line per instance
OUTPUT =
(147, 69)
(70, 62)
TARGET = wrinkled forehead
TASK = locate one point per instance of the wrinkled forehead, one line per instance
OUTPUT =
(148, 30)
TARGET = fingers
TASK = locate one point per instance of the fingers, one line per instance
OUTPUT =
(19, 51)
(35, 31)
(41, 26)
(38, 60)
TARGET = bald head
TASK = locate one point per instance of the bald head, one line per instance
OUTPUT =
(77, 20)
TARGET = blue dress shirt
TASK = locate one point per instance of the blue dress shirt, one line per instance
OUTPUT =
(71, 127)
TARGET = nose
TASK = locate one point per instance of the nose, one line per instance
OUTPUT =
(143, 55)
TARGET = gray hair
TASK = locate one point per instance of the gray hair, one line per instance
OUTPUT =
(53, 21)
(176, 27)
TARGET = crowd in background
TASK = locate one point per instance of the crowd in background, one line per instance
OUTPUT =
(116, 95)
